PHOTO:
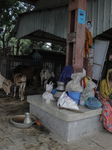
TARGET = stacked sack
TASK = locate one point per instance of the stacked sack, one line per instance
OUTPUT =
(74, 87)
(87, 92)
(84, 87)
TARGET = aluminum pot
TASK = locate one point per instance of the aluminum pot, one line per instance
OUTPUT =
(60, 86)
(60, 83)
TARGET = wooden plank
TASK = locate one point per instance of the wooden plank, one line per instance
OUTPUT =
(71, 37)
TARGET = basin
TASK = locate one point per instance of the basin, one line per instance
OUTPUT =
(18, 121)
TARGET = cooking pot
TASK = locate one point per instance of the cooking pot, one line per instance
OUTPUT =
(60, 86)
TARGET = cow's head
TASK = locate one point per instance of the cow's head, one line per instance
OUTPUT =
(6, 86)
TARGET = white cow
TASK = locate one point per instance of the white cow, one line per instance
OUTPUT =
(45, 75)
(5, 84)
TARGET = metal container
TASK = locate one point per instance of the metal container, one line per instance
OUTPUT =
(57, 95)
(27, 118)
(60, 86)
(18, 121)
(60, 83)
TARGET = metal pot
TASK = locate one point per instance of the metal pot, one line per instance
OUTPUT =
(60, 86)
(27, 118)
(60, 83)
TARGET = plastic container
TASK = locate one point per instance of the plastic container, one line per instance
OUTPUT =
(82, 102)
(18, 121)
(47, 101)
(75, 96)
(53, 91)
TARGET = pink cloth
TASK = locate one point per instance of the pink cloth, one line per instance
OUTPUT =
(106, 116)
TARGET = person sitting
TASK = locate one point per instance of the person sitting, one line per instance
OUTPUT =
(105, 97)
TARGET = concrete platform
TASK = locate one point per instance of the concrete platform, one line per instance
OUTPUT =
(67, 124)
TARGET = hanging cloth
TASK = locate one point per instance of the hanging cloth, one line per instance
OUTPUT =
(88, 42)
(66, 74)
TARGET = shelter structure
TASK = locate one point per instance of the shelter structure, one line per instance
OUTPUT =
(54, 60)
(54, 21)
(63, 22)
(49, 23)
(39, 57)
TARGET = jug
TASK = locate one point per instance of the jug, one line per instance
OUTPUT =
(27, 118)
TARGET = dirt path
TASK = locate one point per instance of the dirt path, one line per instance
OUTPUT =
(33, 138)
(38, 137)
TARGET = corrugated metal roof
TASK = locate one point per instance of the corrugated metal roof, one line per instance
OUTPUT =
(45, 4)
(39, 35)
(29, 1)
(48, 24)
(100, 12)
(52, 24)
(49, 52)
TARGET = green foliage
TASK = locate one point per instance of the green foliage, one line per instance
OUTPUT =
(41, 45)
(48, 46)
(13, 42)
(9, 10)
(25, 46)
(58, 48)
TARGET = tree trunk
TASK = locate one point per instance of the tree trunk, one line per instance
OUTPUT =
(3, 38)
(3, 41)
(17, 52)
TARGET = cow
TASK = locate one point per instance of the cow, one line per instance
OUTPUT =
(31, 73)
(45, 75)
(5, 84)
(20, 80)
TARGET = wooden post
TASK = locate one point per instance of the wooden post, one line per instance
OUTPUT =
(76, 34)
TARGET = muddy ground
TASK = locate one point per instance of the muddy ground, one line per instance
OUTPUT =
(11, 137)
(14, 105)
(39, 137)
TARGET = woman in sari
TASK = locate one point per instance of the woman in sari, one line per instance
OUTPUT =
(105, 97)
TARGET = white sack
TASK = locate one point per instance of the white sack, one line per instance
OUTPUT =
(49, 87)
(91, 84)
(78, 76)
(87, 92)
(47, 95)
(74, 85)
(66, 102)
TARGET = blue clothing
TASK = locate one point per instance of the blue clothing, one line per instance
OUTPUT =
(66, 74)
(93, 103)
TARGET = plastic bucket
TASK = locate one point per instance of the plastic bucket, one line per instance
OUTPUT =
(53, 91)
(75, 96)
